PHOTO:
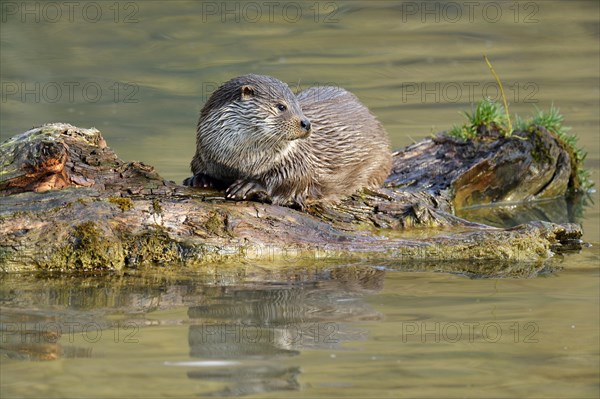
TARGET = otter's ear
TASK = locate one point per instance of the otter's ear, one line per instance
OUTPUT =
(247, 92)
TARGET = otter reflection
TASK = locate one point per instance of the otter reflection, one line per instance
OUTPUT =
(243, 334)
(256, 325)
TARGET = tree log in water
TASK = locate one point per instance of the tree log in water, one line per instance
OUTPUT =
(68, 202)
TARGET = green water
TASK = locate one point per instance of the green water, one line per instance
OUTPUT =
(348, 332)
(140, 71)
(344, 331)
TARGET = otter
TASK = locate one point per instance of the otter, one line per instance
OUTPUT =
(260, 141)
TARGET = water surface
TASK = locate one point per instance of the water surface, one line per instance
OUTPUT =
(344, 330)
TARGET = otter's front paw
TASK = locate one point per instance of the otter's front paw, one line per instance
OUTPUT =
(247, 189)
(202, 180)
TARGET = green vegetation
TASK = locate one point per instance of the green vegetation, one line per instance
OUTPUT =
(489, 64)
(156, 208)
(490, 116)
(152, 247)
(215, 223)
(553, 122)
(90, 248)
(124, 204)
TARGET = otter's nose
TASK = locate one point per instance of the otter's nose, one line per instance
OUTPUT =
(305, 124)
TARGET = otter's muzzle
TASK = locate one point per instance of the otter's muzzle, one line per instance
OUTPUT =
(306, 128)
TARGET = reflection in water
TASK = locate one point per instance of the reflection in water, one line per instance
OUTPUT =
(270, 322)
(256, 326)
(310, 331)
(34, 337)
(250, 380)
(557, 210)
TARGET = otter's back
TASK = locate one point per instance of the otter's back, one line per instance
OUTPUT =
(349, 141)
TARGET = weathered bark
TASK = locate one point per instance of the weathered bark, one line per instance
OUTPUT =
(68, 202)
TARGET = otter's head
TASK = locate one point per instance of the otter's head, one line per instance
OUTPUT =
(260, 111)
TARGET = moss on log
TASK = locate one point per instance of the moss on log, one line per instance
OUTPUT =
(69, 203)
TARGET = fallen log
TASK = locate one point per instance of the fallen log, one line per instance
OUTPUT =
(68, 202)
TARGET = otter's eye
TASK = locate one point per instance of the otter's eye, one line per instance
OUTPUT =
(281, 107)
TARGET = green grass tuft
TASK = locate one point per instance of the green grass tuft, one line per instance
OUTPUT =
(552, 120)
(490, 116)
(487, 114)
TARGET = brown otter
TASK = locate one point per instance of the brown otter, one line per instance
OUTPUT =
(258, 139)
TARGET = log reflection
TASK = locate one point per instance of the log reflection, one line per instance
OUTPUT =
(263, 326)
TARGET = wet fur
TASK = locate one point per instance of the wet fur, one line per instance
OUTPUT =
(244, 143)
